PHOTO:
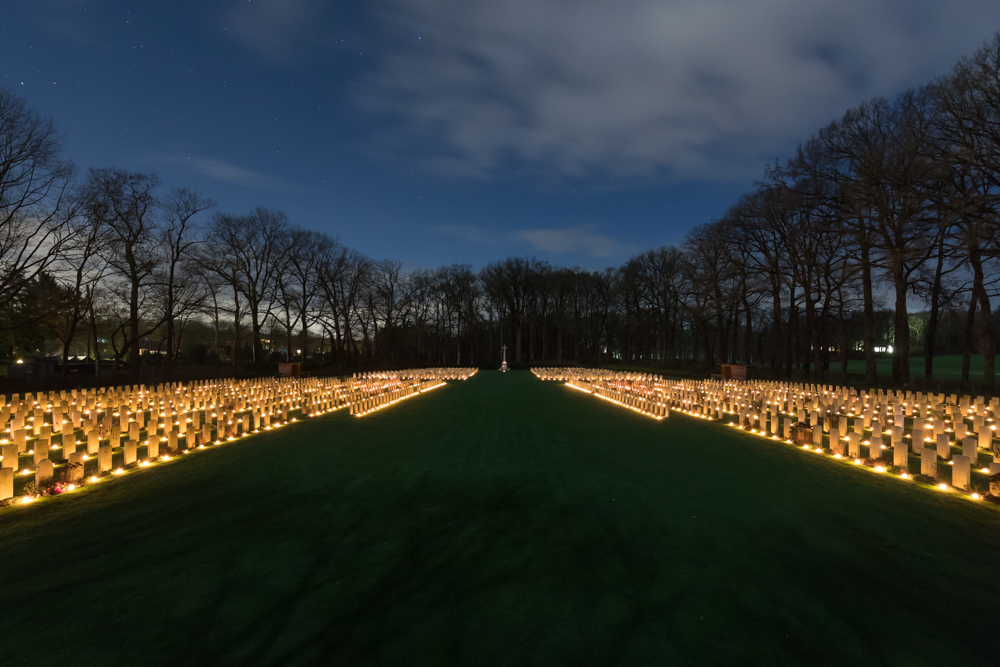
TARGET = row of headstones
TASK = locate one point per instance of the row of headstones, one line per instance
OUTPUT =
(897, 406)
(930, 453)
(325, 394)
(369, 396)
(371, 391)
(698, 397)
(633, 390)
(934, 430)
(73, 461)
(565, 374)
(439, 374)
(931, 439)
(736, 397)
(133, 428)
(259, 399)
(271, 400)
(704, 396)
(117, 419)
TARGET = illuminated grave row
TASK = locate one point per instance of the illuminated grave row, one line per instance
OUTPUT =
(71, 438)
(640, 392)
(374, 391)
(946, 438)
(949, 438)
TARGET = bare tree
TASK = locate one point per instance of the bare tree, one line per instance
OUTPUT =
(247, 251)
(178, 239)
(128, 204)
(36, 201)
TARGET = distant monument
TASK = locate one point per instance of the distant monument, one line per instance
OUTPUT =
(503, 364)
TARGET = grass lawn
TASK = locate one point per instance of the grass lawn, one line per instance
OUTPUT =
(500, 521)
(946, 367)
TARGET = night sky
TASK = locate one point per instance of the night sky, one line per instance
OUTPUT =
(464, 131)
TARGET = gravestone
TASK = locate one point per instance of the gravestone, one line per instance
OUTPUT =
(74, 469)
(960, 472)
(875, 448)
(928, 462)
(104, 458)
(20, 438)
(41, 451)
(854, 445)
(6, 483)
(839, 445)
(130, 451)
(944, 446)
(901, 456)
(43, 473)
(970, 450)
(10, 456)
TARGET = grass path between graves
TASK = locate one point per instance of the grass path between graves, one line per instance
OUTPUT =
(500, 521)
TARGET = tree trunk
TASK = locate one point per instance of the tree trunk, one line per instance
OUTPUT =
(133, 330)
(986, 337)
(930, 332)
(970, 321)
(868, 318)
(901, 344)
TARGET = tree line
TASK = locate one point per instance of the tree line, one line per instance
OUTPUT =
(895, 200)
(890, 209)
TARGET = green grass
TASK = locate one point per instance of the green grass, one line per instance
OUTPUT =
(946, 367)
(501, 521)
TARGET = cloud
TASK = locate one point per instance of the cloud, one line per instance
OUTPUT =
(468, 233)
(584, 240)
(226, 172)
(275, 29)
(681, 89)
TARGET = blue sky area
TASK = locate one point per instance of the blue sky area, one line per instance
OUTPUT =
(463, 131)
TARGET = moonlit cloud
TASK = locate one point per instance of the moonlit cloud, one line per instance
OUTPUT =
(582, 239)
(226, 172)
(650, 89)
(275, 29)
